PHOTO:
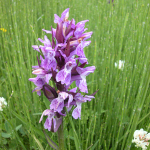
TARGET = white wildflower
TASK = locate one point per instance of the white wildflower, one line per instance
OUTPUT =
(120, 64)
(141, 139)
(147, 136)
(140, 133)
(3, 103)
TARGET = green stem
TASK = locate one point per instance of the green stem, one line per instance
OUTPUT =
(61, 137)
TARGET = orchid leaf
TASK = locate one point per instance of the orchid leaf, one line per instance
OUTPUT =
(50, 142)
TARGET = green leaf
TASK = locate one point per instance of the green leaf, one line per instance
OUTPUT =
(22, 131)
(6, 135)
(18, 127)
(20, 118)
(4, 141)
(35, 114)
(27, 124)
(50, 142)
(93, 147)
(8, 127)
(38, 142)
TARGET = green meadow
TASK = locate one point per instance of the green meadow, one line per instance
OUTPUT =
(121, 31)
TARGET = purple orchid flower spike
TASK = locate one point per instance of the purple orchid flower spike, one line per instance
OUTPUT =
(63, 61)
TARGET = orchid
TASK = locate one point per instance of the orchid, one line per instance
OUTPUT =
(63, 61)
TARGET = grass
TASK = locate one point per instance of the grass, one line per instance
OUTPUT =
(120, 32)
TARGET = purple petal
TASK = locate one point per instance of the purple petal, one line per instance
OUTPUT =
(65, 14)
(70, 100)
(40, 40)
(88, 98)
(64, 55)
(86, 43)
(47, 41)
(58, 123)
(85, 71)
(79, 50)
(48, 64)
(83, 60)
(57, 18)
(32, 79)
(37, 81)
(81, 22)
(49, 49)
(39, 71)
(80, 29)
(35, 67)
(69, 35)
(68, 79)
(69, 108)
(47, 31)
(60, 76)
(77, 111)
(77, 83)
(35, 47)
(38, 92)
(48, 77)
(62, 96)
(83, 86)
(54, 104)
(54, 32)
(37, 89)
(48, 123)
(70, 64)
(86, 35)
(57, 105)
(45, 113)
(60, 107)
(73, 90)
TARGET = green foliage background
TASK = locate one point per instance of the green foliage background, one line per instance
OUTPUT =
(120, 32)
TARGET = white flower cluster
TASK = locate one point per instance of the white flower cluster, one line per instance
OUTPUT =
(3, 103)
(141, 138)
(120, 64)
